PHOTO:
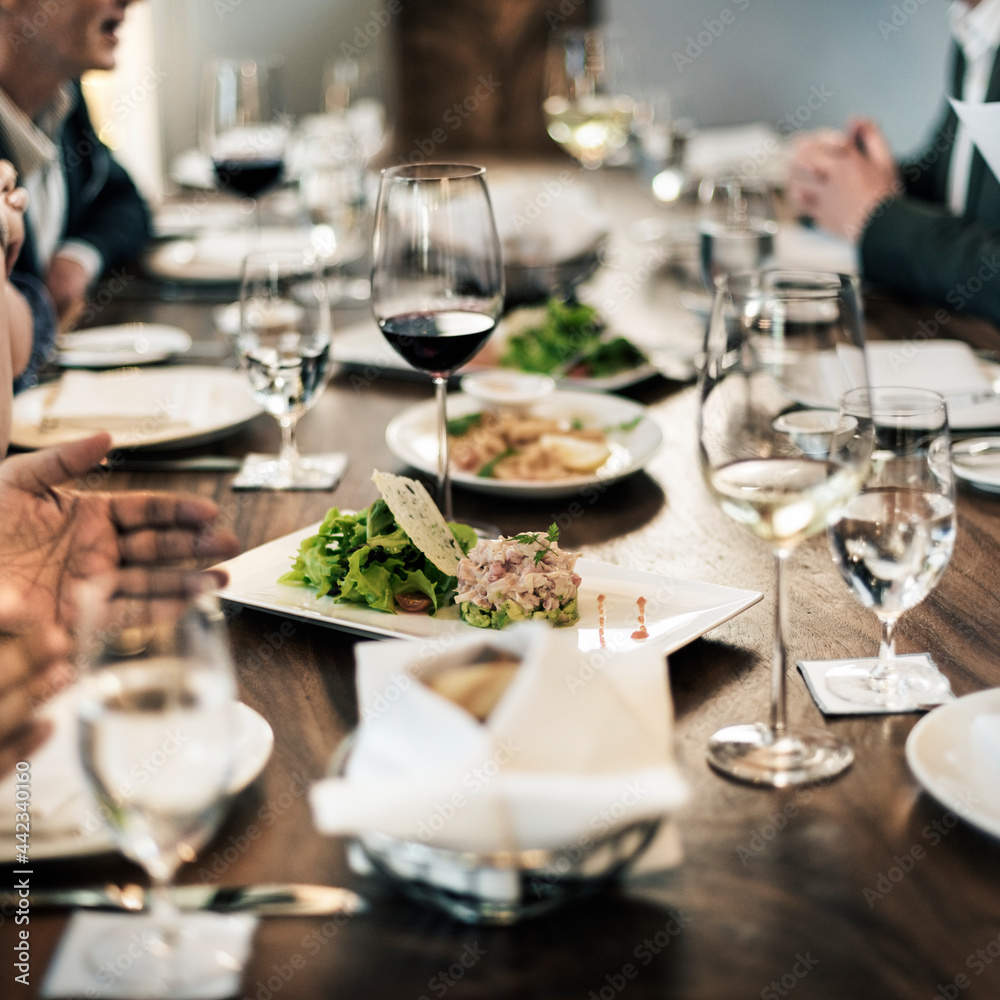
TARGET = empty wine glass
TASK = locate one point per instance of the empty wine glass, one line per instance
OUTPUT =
(737, 226)
(895, 540)
(284, 348)
(584, 112)
(782, 461)
(244, 129)
(156, 727)
(437, 276)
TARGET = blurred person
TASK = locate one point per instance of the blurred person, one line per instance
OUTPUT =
(929, 228)
(85, 217)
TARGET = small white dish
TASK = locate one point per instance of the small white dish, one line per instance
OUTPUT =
(977, 461)
(949, 757)
(124, 344)
(506, 388)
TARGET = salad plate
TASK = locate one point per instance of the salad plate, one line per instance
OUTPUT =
(613, 601)
(954, 752)
(72, 826)
(632, 437)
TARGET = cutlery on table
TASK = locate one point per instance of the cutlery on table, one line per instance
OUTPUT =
(265, 900)
(193, 463)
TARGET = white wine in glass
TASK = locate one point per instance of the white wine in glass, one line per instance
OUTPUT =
(782, 460)
(895, 540)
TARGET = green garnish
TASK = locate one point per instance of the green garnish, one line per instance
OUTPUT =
(486, 472)
(625, 426)
(534, 538)
(462, 425)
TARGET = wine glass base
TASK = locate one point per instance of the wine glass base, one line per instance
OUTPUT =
(753, 753)
(909, 685)
(310, 472)
(203, 950)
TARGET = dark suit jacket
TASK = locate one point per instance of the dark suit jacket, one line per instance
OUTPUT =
(915, 245)
(103, 207)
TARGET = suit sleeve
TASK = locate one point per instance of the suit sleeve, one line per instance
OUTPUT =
(919, 248)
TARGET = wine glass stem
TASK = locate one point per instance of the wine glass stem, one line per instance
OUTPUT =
(289, 454)
(886, 651)
(779, 655)
(444, 475)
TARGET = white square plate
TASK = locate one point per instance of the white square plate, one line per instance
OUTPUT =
(676, 611)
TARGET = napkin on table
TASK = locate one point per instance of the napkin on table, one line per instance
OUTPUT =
(570, 752)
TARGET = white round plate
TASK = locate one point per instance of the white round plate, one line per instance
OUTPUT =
(126, 344)
(412, 437)
(955, 763)
(216, 256)
(253, 743)
(220, 403)
(977, 462)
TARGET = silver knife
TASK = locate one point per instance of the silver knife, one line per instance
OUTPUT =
(195, 463)
(266, 900)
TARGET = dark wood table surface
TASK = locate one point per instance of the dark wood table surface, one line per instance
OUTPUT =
(865, 887)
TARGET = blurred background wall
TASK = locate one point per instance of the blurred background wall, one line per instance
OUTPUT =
(790, 63)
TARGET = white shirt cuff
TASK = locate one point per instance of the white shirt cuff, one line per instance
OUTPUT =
(85, 254)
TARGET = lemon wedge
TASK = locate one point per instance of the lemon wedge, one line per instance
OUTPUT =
(575, 453)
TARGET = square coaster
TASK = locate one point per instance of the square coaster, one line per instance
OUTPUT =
(315, 472)
(831, 704)
(76, 972)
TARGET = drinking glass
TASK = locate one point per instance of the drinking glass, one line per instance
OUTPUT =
(737, 226)
(437, 276)
(782, 460)
(243, 127)
(895, 540)
(156, 733)
(284, 347)
(584, 112)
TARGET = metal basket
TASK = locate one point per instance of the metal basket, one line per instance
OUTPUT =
(501, 887)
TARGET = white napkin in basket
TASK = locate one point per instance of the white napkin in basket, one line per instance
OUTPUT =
(574, 749)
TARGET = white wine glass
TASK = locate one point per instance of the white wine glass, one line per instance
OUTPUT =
(244, 128)
(737, 225)
(437, 276)
(782, 460)
(584, 112)
(283, 345)
(895, 540)
(156, 727)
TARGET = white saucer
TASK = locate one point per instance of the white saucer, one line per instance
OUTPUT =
(125, 344)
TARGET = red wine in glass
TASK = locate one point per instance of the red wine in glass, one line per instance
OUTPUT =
(246, 176)
(438, 342)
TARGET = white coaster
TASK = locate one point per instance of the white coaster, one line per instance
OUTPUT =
(829, 703)
(315, 472)
(74, 971)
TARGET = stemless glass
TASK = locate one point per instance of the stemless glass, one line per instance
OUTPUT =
(584, 112)
(782, 460)
(156, 728)
(895, 540)
(737, 226)
(284, 347)
(437, 276)
(243, 127)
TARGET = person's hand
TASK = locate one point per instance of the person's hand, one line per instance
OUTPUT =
(33, 667)
(51, 538)
(13, 204)
(67, 282)
(838, 180)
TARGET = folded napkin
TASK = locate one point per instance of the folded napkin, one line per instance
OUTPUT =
(75, 972)
(559, 759)
(753, 150)
(127, 399)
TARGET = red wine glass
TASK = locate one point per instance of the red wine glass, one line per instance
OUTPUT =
(437, 275)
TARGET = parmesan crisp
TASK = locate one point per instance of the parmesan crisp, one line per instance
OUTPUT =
(417, 514)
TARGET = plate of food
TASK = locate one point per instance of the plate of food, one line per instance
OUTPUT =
(561, 444)
(568, 341)
(364, 573)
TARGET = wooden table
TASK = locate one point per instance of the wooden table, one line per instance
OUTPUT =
(862, 888)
